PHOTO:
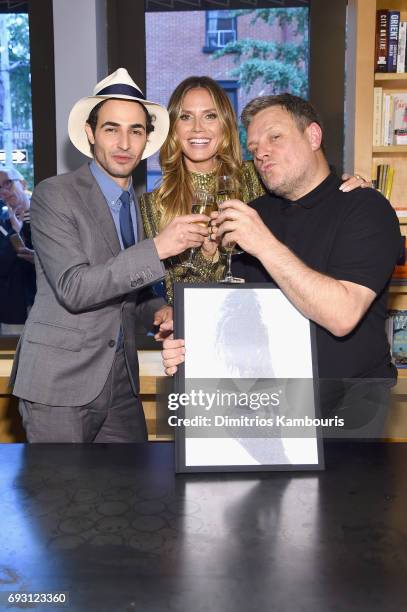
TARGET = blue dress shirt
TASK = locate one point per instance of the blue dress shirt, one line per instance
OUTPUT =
(112, 193)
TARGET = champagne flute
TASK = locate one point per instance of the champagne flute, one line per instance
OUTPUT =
(225, 191)
(203, 203)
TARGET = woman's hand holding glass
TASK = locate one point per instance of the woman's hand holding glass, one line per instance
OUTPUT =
(202, 204)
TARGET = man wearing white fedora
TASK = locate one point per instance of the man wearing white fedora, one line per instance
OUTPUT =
(76, 368)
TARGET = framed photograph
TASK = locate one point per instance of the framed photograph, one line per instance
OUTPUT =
(246, 397)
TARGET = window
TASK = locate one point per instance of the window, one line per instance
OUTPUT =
(220, 30)
(16, 146)
(17, 275)
(231, 88)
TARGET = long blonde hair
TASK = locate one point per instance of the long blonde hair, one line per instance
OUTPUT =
(175, 191)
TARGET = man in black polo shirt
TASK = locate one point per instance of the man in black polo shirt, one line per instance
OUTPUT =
(331, 252)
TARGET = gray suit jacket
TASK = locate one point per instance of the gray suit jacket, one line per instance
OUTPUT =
(86, 288)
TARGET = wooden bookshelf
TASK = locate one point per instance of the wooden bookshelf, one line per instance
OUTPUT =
(395, 149)
(390, 76)
(360, 155)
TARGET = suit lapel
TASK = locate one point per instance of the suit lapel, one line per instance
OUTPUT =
(99, 213)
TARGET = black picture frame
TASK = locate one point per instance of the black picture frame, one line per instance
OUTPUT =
(204, 294)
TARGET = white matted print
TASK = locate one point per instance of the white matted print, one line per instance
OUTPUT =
(248, 333)
(248, 338)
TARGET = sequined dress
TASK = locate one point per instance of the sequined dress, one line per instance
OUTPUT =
(205, 270)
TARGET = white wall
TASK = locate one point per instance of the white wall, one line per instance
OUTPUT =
(80, 47)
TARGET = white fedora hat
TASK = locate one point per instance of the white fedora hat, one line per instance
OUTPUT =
(117, 85)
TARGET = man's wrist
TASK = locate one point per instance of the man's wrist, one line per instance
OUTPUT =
(264, 246)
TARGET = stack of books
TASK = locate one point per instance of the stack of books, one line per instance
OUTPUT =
(389, 118)
(391, 34)
(384, 179)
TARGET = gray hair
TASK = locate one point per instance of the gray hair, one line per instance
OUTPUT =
(12, 172)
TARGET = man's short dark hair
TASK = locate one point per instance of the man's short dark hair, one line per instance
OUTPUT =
(301, 110)
(94, 114)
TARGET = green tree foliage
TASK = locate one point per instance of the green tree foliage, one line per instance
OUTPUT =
(19, 57)
(282, 66)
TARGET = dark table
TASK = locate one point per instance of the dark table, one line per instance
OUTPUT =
(114, 527)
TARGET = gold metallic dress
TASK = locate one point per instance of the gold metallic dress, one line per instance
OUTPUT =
(205, 270)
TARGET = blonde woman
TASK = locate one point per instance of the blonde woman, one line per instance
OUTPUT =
(202, 144)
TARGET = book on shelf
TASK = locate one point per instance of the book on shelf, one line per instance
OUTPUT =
(391, 42)
(381, 176)
(396, 328)
(400, 137)
(381, 46)
(389, 118)
(387, 125)
(388, 185)
(377, 116)
(399, 115)
(401, 49)
(384, 179)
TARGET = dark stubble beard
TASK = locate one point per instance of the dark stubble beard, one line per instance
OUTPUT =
(291, 188)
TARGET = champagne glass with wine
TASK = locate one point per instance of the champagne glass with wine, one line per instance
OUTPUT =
(203, 203)
(225, 191)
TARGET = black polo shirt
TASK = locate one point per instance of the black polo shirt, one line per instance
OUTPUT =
(352, 236)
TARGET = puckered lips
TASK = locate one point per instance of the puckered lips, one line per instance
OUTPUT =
(266, 166)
